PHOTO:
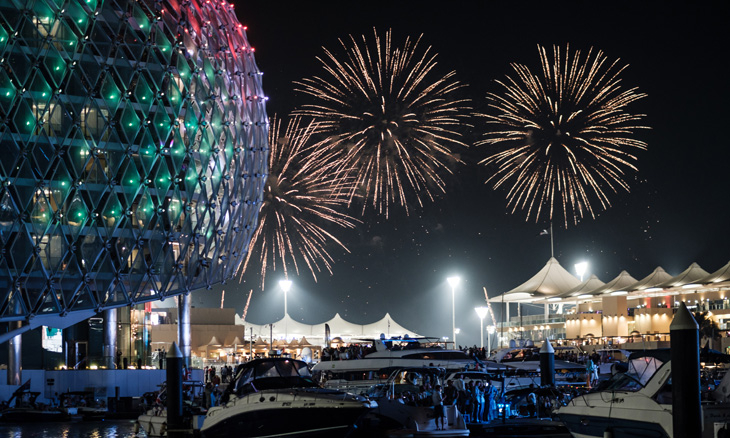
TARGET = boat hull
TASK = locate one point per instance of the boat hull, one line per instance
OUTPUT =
(32, 416)
(585, 426)
(275, 420)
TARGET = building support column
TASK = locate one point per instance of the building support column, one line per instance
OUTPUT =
(15, 364)
(110, 338)
(184, 303)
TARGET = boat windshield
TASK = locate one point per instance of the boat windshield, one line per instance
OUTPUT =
(641, 369)
(640, 372)
(624, 382)
(274, 374)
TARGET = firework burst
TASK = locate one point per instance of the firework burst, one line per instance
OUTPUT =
(389, 116)
(562, 138)
(303, 196)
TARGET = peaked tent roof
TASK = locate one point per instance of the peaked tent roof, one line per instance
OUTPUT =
(592, 283)
(550, 281)
(692, 275)
(387, 326)
(338, 327)
(722, 274)
(620, 283)
(653, 280)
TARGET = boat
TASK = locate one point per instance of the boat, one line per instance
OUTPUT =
(520, 367)
(154, 419)
(405, 406)
(278, 397)
(639, 401)
(25, 409)
(357, 375)
(83, 405)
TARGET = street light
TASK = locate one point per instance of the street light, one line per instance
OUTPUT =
(481, 313)
(490, 330)
(580, 269)
(453, 282)
(285, 285)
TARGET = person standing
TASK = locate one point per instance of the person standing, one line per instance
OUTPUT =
(492, 400)
(450, 393)
(438, 407)
(589, 372)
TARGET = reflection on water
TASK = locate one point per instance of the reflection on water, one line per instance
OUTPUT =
(91, 429)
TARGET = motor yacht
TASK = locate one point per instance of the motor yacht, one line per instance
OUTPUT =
(639, 402)
(277, 397)
(357, 375)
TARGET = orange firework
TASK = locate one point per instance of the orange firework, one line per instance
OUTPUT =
(563, 137)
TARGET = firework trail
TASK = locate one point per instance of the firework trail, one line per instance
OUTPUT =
(248, 301)
(562, 138)
(303, 197)
(389, 116)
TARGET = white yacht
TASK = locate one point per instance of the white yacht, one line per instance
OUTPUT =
(357, 375)
(277, 397)
(639, 403)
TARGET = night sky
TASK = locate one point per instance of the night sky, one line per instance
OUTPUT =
(676, 213)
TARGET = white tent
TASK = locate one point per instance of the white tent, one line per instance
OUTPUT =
(618, 284)
(315, 332)
(550, 281)
(587, 286)
(722, 274)
(652, 281)
(692, 275)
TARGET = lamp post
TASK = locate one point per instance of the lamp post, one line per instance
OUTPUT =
(481, 313)
(453, 282)
(285, 285)
(490, 331)
(580, 269)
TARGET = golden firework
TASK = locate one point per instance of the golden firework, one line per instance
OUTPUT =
(563, 137)
(303, 197)
(390, 116)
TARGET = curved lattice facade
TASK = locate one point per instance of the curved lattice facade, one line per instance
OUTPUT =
(133, 144)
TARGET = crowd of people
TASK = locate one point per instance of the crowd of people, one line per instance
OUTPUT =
(212, 391)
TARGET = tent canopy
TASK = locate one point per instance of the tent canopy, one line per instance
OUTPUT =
(338, 327)
(620, 283)
(722, 274)
(550, 281)
(692, 275)
(657, 277)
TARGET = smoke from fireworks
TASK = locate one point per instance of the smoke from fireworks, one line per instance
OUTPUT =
(303, 196)
(389, 116)
(562, 137)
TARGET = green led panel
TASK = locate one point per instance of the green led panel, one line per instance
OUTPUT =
(133, 151)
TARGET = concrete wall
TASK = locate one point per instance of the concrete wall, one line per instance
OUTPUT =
(578, 326)
(203, 316)
(164, 334)
(652, 320)
(616, 325)
(131, 383)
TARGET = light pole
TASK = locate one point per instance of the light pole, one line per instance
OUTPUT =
(285, 285)
(490, 331)
(481, 313)
(580, 269)
(453, 282)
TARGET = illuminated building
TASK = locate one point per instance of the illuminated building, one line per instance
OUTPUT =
(134, 152)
